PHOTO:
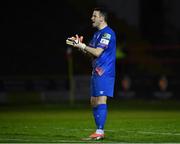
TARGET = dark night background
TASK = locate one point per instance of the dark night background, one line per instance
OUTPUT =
(33, 35)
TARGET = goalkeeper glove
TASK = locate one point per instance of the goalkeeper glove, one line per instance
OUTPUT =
(76, 42)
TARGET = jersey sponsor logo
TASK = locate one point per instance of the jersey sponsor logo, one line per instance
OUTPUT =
(106, 36)
(104, 41)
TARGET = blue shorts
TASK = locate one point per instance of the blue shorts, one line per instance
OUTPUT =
(102, 86)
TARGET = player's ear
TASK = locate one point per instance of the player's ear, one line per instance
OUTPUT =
(81, 38)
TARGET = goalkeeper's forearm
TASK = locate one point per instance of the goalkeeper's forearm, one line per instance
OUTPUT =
(87, 53)
(93, 51)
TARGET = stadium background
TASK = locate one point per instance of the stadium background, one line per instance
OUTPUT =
(35, 63)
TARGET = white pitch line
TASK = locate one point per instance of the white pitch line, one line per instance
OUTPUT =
(76, 141)
(159, 133)
(108, 130)
(142, 132)
(148, 132)
(27, 140)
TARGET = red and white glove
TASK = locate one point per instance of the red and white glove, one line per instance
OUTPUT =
(76, 42)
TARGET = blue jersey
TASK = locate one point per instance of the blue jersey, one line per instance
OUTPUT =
(104, 65)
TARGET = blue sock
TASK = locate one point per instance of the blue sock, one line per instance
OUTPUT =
(100, 114)
(95, 115)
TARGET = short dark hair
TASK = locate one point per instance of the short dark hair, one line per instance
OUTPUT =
(103, 11)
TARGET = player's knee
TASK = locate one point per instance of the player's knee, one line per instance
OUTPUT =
(98, 100)
(102, 100)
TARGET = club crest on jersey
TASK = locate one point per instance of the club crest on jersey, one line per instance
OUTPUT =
(106, 36)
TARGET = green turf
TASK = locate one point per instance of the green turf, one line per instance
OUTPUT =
(56, 124)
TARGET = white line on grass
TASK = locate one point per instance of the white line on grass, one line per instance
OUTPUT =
(149, 132)
(131, 131)
(72, 141)
(79, 141)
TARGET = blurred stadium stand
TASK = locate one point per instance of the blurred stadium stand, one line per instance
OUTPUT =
(129, 86)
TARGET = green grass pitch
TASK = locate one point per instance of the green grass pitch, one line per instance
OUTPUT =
(58, 124)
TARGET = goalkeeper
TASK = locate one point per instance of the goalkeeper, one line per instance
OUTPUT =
(103, 49)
